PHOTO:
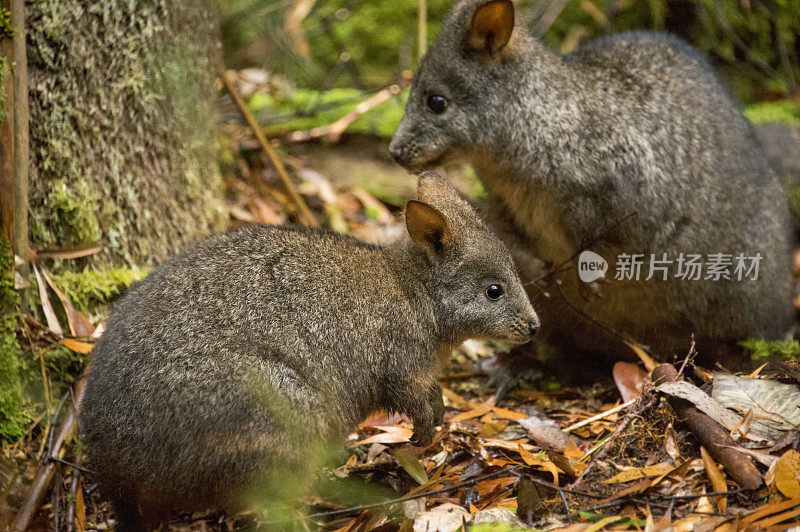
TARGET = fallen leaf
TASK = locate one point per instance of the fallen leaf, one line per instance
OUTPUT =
(546, 433)
(646, 359)
(80, 510)
(716, 477)
(508, 414)
(602, 523)
(773, 403)
(448, 517)
(787, 474)
(79, 325)
(75, 345)
(776, 519)
(412, 465)
(475, 412)
(392, 434)
(671, 444)
(498, 515)
(68, 253)
(47, 307)
(770, 509)
(635, 473)
(630, 380)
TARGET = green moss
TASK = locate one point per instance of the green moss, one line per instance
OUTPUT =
(90, 290)
(74, 208)
(7, 29)
(306, 109)
(786, 111)
(12, 413)
(759, 349)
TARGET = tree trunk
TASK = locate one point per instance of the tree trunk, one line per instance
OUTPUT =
(122, 127)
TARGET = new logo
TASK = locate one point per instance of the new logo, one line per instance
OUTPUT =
(591, 266)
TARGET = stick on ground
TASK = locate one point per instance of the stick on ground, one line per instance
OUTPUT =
(711, 435)
(306, 216)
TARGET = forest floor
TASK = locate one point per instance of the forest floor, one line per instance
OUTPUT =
(626, 453)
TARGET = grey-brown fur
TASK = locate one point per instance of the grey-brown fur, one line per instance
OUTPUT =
(567, 146)
(226, 363)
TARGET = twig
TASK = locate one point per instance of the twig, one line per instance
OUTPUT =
(515, 471)
(601, 415)
(783, 54)
(739, 43)
(689, 356)
(334, 131)
(548, 15)
(45, 473)
(582, 247)
(645, 401)
(306, 216)
(581, 313)
(73, 489)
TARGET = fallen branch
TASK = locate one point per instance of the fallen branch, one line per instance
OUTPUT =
(305, 215)
(334, 131)
(711, 434)
(46, 469)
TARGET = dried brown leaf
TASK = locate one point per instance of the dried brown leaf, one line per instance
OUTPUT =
(47, 307)
(79, 325)
(787, 474)
(630, 380)
(716, 477)
(75, 345)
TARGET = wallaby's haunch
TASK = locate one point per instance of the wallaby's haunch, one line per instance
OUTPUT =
(226, 362)
(567, 147)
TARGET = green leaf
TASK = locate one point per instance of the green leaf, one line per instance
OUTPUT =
(412, 465)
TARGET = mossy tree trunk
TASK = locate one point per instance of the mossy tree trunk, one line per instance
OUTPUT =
(122, 132)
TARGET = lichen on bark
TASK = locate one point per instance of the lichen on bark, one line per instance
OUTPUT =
(122, 127)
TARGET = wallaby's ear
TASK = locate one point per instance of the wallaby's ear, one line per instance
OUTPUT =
(491, 26)
(427, 226)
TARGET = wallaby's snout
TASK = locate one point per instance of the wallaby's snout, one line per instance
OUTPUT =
(526, 316)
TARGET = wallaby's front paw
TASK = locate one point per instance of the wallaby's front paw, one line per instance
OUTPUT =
(438, 404)
(422, 436)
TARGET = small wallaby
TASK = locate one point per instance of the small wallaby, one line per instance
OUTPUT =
(629, 144)
(219, 369)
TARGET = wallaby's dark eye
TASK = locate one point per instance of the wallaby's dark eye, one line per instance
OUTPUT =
(494, 292)
(437, 103)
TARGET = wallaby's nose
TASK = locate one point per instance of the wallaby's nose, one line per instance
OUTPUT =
(397, 153)
(533, 327)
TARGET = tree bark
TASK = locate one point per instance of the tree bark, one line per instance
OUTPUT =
(122, 127)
